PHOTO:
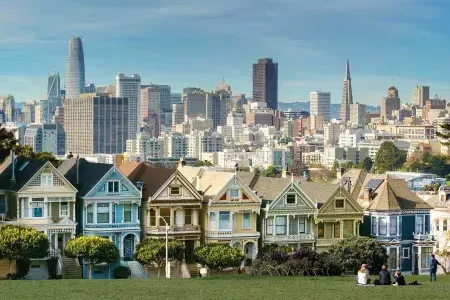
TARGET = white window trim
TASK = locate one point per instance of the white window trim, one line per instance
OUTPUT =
(107, 187)
(123, 212)
(343, 200)
(403, 252)
(295, 197)
(239, 196)
(93, 213)
(68, 209)
(180, 189)
(50, 175)
(250, 225)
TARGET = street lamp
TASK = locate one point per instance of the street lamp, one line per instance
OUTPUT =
(167, 248)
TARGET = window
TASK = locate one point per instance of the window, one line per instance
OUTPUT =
(405, 252)
(103, 213)
(234, 193)
(90, 214)
(175, 191)
(46, 179)
(426, 256)
(436, 225)
(212, 221)
(2, 204)
(337, 230)
(188, 216)
(290, 199)
(37, 206)
(302, 225)
(113, 187)
(321, 230)
(393, 225)
(269, 226)
(246, 220)
(339, 203)
(152, 217)
(382, 226)
(165, 214)
(64, 209)
(224, 220)
(420, 224)
(444, 225)
(113, 213)
(127, 212)
(374, 225)
(280, 225)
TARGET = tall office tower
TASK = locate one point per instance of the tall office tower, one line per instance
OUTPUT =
(130, 87)
(53, 86)
(224, 90)
(319, 103)
(44, 111)
(176, 98)
(165, 97)
(90, 88)
(265, 82)
(358, 114)
(347, 96)
(96, 124)
(46, 138)
(331, 134)
(75, 69)
(389, 103)
(216, 109)
(194, 101)
(58, 118)
(7, 105)
(177, 114)
(29, 112)
(238, 101)
(420, 95)
(150, 110)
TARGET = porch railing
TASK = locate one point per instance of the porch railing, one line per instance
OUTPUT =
(291, 237)
(112, 226)
(174, 229)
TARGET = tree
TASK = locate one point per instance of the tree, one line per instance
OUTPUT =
(297, 167)
(444, 134)
(334, 169)
(367, 164)
(27, 153)
(271, 171)
(22, 243)
(389, 157)
(201, 163)
(153, 252)
(219, 256)
(354, 251)
(7, 142)
(92, 250)
(443, 250)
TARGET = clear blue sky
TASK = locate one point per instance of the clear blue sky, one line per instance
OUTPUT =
(197, 42)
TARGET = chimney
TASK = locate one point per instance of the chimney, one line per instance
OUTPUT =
(340, 172)
(69, 156)
(197, 183)
(181, 162)
(78, 168)
(367, 196)
(13, 168)
(349, 185)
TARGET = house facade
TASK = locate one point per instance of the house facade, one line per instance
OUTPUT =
(35, 194)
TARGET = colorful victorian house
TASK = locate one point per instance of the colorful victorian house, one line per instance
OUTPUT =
(288, 213)
(396, 217)
(33, 193)
(108, 206)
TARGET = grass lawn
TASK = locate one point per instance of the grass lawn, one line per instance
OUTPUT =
(227, 287)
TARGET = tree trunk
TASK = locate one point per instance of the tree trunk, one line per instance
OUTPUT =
(90, 271)
(10, 266)
(159, 272)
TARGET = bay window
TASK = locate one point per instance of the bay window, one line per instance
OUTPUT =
(165, 214)
(302, 225)
(224, 220)
(420, 224)
(280, 225)
(212, 221)
(90, 214)
(393, 225)
(269, 226)
(64, 209)
(374, 225)
(103, 213)
(127, 212)
(382, 226)
(246, 224)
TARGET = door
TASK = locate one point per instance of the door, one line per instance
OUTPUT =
(189, 251)
(128, 247)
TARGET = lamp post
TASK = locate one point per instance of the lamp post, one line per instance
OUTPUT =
(167, 248)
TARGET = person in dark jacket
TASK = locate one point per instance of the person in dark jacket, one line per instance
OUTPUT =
(434, 263)
(385, 276)
(399, 279)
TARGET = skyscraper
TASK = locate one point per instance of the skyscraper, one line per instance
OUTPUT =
(319, 103)
(420, 95)
(389, 104)
(265, 82)
(347, 96)
(75, 69)
(130, 87)
(216, 109)
(194, 101)
(358, 114)
(53, 86)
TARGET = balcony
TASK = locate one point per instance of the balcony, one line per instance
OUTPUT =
(112, 226)
(325, 242)
(229, 234)
(189, 229)
(423, 236)
(289, 238)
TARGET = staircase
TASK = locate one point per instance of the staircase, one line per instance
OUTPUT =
(137, 271)
(193, 270)
(70, 268)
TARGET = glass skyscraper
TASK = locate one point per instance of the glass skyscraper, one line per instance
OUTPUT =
(75, 69)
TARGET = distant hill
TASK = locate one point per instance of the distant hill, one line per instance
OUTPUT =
(334, 107)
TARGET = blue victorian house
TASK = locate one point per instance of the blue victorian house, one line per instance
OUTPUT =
(396, 217)
(108, 205)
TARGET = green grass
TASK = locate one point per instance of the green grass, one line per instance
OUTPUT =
(226, 287)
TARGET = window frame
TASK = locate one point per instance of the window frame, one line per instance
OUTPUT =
(281, 226)
(61, 215)
(295, 199)
(113, 182)
(343, 203)
(131, 212)
(419, 225)
(437, 225)
(249, 220)
(380, 226)
(225, 221)
(269, 224)
(231, 191)
(444, 225)
(302, 221)
(172, 187)
(48, 182)
(408, 251)
(390, 225)
(374, 225)
(213, 221)
(40, 202)
(106, 205)
(88, 207)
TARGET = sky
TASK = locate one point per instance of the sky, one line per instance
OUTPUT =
(197, 42)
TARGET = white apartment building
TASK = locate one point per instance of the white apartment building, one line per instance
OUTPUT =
(130, 87)
(235, 119)
(351, 138)
(357, 114)
(204, 142)
(331, 133)
(353, 154)
(175, 145)
(261, 158)
(145, 147)
(201, 124)
(319, 103)
(310, 158)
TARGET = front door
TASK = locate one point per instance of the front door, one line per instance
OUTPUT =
(128, 247)
(189, 250)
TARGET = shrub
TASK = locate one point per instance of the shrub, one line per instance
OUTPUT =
(23, 267)
(11, 276)
(219, 256)
(52, 267)
(122, 272)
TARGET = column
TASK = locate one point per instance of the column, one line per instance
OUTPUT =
(195, 217)
(56, 240)
(231, 220)
(171, 217)
(158, 221)
(287, 224)
(95, 212)
(111, 207)
(273, 225)
(354, 227)
(217, 220)
(342, 229)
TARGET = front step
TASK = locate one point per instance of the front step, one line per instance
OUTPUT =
(193, 270)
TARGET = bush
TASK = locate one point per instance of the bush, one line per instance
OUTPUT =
(52, 264)
(11, 276)
(219, 256)
(122, 272)
(23, 267)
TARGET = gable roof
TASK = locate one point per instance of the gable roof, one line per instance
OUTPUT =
(234, 180)
(153, 178)
(24, 170)
(185, 182)
(270, 188)
(318, 192)
(295, 186)
(90, 173)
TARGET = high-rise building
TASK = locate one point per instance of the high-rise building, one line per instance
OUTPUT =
(175, 145)
(150, 111)
(420, 95)
(216, 109)
(347, 95)
(46, 138)
(224, 90)
(177, 114)
(58, 118)
(96, 124)
(90, 88)
(53, 86)
(389, 103)
(29, 112)
(358, 114)
(331, 134)
(265, 82)
(146, 146)
(7, 105)
(164, 95)
(75, 74)
(130, 87)
(194, 101)
(176, 98)
(319, 103)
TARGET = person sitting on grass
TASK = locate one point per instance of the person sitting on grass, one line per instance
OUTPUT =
(363, 275)
(399, 279)
(385, 276)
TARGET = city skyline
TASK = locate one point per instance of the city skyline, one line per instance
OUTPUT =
(306, 62)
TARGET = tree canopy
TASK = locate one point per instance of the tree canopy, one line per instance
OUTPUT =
(297, 167)
(389, 157)
(153, 252)
(219, 256)
(428, 163)
(7, 142)
(20, 243)
(271, 171)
